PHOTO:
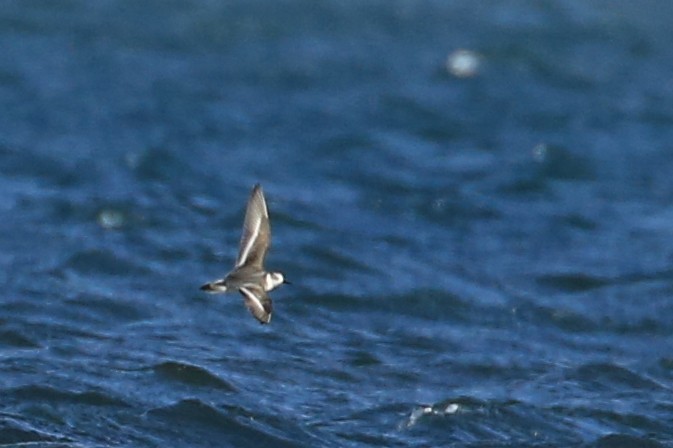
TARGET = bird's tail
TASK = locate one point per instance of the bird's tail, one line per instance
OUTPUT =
(214, 287)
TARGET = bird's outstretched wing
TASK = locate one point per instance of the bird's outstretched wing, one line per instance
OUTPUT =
(256, 236)
(258, 302)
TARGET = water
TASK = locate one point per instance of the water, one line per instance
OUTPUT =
(472, 200)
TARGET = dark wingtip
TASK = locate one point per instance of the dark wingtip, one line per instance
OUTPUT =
(206, 287)
(265, 319)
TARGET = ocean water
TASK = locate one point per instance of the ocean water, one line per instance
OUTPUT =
(473, 201)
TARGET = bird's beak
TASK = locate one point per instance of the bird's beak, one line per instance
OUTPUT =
(286, 282)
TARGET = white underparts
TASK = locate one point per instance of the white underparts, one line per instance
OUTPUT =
(271, 280)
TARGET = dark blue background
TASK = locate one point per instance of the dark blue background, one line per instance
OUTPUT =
(476, 261)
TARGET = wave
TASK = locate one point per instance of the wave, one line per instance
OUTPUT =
(192, 375)
(230, 426)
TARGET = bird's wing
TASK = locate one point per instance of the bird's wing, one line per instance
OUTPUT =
(256, 236)
(258, 302)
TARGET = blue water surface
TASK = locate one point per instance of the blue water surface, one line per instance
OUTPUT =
(473, 201)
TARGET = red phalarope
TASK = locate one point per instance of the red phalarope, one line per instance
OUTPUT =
(249, 276)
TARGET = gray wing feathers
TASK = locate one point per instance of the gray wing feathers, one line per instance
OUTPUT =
(258, 302)
(256, 231)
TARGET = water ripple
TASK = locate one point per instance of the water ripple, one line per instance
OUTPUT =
(611, 376)
(625, 441)
(14, 431)
(575, 282)
(16, 339)
(46, 393)
(96, 261)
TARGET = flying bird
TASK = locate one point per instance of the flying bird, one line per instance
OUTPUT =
(249, 276)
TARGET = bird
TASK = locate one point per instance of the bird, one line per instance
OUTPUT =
(249, 276)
